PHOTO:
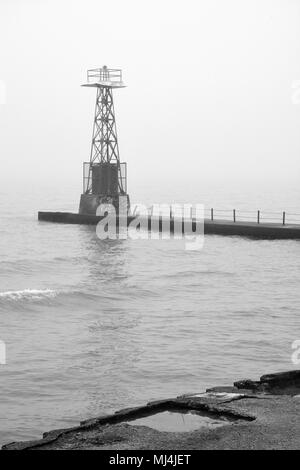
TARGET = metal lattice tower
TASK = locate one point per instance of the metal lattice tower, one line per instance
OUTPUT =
(105, 141)
(104, 175)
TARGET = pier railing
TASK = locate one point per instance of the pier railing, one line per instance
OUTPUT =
(232, 215)
(258, 216)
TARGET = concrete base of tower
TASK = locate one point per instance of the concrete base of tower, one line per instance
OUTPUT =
(89, 203)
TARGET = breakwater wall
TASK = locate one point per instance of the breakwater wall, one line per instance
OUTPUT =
(213, 227)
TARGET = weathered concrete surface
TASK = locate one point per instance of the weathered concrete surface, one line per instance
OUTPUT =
(263, 416)
(216, 227)
(88, 204)
(282, 383)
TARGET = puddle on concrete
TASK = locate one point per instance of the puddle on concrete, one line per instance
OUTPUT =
(180, 421)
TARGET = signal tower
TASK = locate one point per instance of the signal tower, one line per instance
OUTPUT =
(104, 176)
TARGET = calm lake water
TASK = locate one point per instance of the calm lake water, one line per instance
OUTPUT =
(91, 327)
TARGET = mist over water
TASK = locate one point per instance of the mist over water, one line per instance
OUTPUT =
(210, 116)
(91, 326)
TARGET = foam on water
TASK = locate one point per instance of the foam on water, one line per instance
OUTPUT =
(28, 294)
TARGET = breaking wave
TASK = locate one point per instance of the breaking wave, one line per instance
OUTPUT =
(28, 294)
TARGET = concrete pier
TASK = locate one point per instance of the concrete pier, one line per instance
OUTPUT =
(215, 227)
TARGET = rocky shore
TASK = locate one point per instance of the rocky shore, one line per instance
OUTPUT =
(262, 414)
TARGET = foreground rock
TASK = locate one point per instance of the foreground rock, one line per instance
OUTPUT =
(260, 414)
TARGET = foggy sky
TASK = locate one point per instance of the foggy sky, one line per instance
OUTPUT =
(209, 93)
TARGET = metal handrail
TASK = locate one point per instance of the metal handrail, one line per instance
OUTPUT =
(239, 215)
(234, 215)
(105, 74)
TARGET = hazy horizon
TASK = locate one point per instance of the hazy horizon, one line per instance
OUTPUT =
(210, 94)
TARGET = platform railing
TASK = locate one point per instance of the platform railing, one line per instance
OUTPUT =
(104, 74)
